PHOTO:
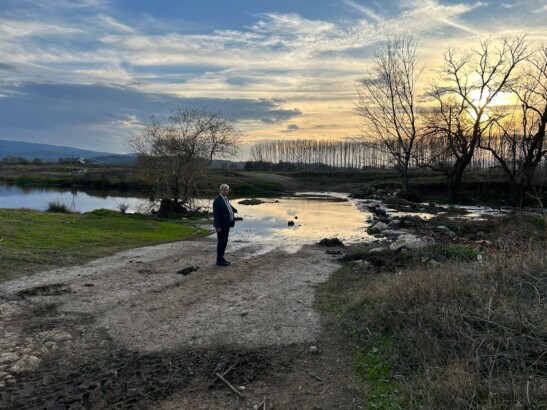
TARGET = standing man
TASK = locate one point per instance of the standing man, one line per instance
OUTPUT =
(223, 213)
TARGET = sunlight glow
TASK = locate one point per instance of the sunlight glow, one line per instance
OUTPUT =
(502, 98)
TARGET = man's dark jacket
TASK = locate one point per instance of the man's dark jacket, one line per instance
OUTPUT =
(221, 214)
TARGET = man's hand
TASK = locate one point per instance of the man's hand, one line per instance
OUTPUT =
(218, 230)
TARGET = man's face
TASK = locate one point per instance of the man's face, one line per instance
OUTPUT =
(224, 191)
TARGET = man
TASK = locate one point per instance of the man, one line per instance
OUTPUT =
(223, 214)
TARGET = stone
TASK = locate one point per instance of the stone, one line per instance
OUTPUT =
(445, 230)
(26, 364)
(408, 241)
(188, 270)
(380, 226)
(395, 223)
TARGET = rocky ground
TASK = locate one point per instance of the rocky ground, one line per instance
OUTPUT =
(165, 328)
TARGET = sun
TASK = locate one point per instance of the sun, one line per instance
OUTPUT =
(500, 99)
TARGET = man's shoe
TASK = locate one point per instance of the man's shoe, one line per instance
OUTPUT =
(223, 263)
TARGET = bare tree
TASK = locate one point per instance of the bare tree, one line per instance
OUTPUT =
(519, 144)
(463, 112)
(174, 154)
(387, 102)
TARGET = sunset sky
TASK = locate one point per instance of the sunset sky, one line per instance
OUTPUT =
(86, 73)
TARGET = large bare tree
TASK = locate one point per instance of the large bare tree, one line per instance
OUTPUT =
(463, 111)
(174, 154)
(519, 145)
(387, 102)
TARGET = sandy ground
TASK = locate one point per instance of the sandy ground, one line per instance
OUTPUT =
(132, 331)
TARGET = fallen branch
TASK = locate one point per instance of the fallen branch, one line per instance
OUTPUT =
(229, 369)
(236, 391)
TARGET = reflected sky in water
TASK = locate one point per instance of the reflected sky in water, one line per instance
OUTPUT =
(15, 197)
(314, 219)
(315, 215)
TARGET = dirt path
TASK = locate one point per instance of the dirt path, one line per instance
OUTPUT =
(128, 331)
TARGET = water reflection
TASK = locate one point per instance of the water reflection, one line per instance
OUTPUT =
(16, 197)
(314, 218)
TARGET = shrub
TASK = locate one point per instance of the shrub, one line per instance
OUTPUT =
(58, 207)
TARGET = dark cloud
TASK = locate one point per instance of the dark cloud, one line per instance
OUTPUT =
(291, 128)
(105, 111)
(7, 67)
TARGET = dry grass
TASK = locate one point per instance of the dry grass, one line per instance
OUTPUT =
(463, 335)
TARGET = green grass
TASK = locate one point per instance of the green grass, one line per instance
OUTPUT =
(373, 369)
(32, 241)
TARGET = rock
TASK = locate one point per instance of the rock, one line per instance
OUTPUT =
(394, 232)
(26, 364)
(380, 226)
(333, 252)
(314, 350)
(395, 223)
(445, 230)
(241, 388)
(380, 212)
(252, 201)
(331, 242)
(408, 241)
(188, 270)
(377, 250)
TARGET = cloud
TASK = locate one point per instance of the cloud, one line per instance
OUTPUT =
(364, 10)
(291, 128)
(7, 67)
(80, 112)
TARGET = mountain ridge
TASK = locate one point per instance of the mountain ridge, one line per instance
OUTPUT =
(48, 152)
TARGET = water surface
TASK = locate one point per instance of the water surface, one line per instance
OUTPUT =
(314, 218)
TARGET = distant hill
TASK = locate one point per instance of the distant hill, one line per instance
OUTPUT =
(46, 152)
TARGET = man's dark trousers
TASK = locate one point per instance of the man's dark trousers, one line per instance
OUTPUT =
(222, 237)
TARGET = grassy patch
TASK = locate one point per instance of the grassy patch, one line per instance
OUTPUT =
(449, 251)
(32, 241)
(374, 370)
(464, 334)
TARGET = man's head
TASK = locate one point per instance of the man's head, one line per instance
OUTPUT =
(224, 189)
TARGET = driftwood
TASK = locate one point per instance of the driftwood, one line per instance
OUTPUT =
(236, 391)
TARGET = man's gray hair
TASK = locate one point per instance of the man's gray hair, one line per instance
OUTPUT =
(222, 186)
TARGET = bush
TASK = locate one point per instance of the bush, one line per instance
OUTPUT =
(58, 207)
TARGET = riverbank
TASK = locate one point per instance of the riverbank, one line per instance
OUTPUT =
(371, 325)
(447, 313)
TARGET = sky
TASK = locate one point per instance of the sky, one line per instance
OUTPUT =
(89, 73)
